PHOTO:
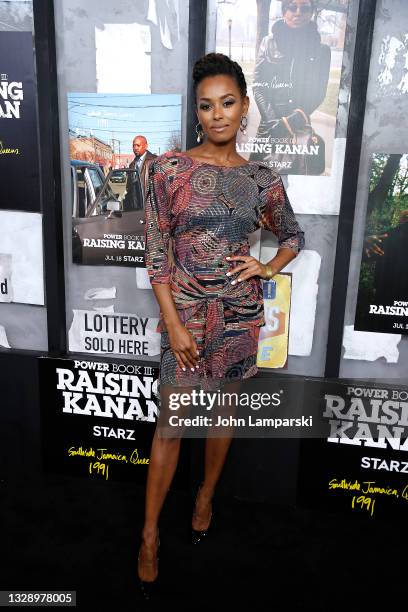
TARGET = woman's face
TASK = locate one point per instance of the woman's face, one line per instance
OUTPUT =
(298, 13)
(220, 107)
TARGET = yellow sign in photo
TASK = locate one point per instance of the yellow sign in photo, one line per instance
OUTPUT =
(274, 335)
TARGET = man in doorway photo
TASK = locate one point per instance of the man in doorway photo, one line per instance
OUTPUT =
(141, 162)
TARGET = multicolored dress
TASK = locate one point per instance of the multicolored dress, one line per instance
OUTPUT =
(207, 212)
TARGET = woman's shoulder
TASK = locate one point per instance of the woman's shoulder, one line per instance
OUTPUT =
(168, 163)
(163, 161)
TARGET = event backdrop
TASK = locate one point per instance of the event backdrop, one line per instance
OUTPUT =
(98, 418)
(21, 258)
(323, 55)
(365, 464)
(23, 317)
(131, 55)
(292, 66)
(373, 347)
(382, 303)
(18, 124)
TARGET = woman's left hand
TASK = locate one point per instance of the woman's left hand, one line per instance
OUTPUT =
(250, 267)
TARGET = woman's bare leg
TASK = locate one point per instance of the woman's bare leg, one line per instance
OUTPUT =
(162, 466)
(216, 450)
(163, 462)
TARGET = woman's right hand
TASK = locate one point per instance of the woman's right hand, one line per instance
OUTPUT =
(183, 346)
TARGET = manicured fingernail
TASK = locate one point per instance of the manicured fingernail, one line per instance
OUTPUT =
(228, 258)
(192, 369)
(233, 282)
(228, 273)
(184, 369)
(239, 280)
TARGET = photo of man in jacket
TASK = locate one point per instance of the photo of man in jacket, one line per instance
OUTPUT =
(290, 82)
(141, 161)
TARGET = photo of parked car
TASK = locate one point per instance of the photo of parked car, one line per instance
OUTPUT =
(118, 176)
(107, 224)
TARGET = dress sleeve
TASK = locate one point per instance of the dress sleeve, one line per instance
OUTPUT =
(157, 228)
(278, 217)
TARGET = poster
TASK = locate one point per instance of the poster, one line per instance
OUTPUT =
(21, 258)
(113, 75)
(113, 138)
(304, 271)
(292, 60)
(108, 333)
(382, 301)
(360, 466)
(18, 124)
(137, 41)
(98, 418)
(274, 335)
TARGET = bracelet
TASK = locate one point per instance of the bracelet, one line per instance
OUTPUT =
(269, 272)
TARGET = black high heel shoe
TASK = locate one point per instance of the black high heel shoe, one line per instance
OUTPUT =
(198, 535)
(148, 587)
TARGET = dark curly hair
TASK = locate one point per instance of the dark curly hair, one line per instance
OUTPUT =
(218, 63)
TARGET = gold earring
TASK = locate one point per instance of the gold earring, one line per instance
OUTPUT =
(199, 132)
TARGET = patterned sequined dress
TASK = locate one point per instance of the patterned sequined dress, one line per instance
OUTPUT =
(208, 212)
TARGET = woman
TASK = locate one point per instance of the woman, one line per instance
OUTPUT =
(208, 200)
(290, 80)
